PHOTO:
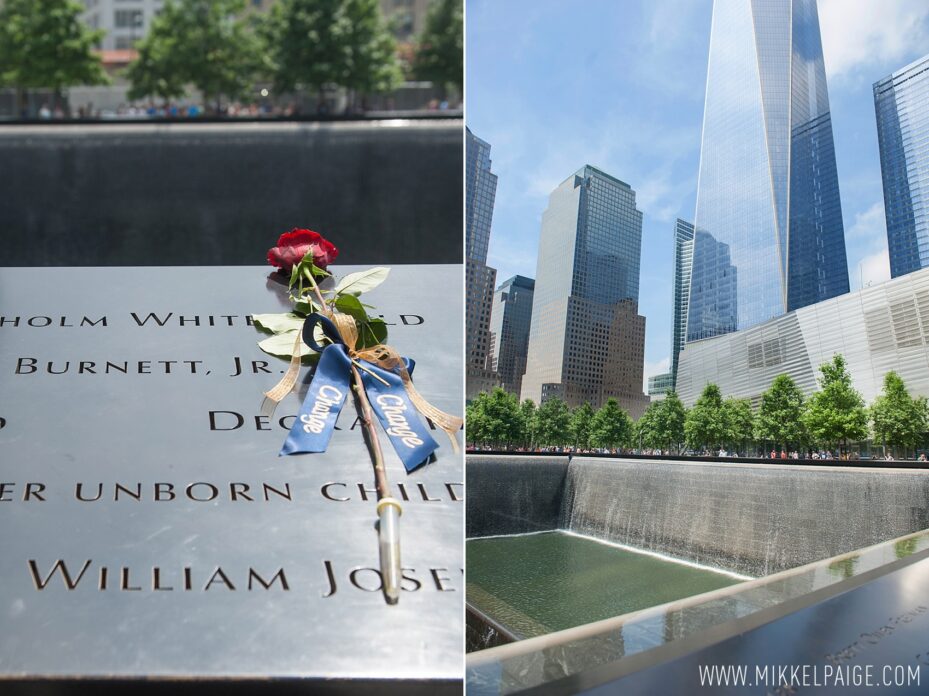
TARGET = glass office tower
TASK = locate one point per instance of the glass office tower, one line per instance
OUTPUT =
(586, 339)
(509, 331)
(480, 192)
(683, 260)
(768, 194)
(901, 102)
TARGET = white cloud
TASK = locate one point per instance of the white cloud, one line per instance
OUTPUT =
(874, 269)
(869, 226)
(859, 33)
(639, 151)
(655, 368)
(867, 236)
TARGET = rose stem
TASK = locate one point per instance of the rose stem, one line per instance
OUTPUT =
(388, 509)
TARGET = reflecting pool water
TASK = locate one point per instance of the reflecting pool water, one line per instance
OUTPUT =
(538, 583)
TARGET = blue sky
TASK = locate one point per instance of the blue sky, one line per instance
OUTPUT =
(556, 84)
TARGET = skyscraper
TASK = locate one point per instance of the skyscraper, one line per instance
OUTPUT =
(480, 191)
(509, 331)
(586, 340)
(125, 23)
(659, 385)
(683, 259)
(901, 102)
(768, 190)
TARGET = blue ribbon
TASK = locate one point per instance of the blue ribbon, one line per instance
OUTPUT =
(331, 384)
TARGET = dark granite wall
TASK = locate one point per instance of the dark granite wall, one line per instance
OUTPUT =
(219, 194)
(513, 495)
(748, 518)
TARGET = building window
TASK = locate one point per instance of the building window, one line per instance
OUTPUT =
(126, 19)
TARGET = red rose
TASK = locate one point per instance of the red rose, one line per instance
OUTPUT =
(294, 245)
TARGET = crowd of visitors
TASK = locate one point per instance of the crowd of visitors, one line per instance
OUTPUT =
(173, 110)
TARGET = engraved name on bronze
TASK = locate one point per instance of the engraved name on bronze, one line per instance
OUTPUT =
(367, 579)
(156, 579)
(161, 319)
(220, 420)
(233, 491)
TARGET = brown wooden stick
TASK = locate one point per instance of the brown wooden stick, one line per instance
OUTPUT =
(374, 444)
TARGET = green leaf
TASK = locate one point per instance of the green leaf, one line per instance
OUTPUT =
(363, 281)
(317, 271)
(304, 307)
(349, 304)
(282, 345)
(373, 332)
(278, 323)
(370, 331)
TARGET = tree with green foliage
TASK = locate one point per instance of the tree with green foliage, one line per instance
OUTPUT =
(370, 62)
(581, 421)
(527, 423)
(611, 427)
(496, 418)
(157, 71)
(553, 423)
(440, 46)
(662, 424)
(475, 424)
(314, 44)
(645, 430)
(836, 413)
(780, 417)
(209, 44)
(899, 420)
(705, 425)
(45, 45)
(740, 422)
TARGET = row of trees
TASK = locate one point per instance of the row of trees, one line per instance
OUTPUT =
(831, 417)
(499, 419)
(223, 51)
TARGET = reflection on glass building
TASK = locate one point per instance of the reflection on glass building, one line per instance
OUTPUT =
(901, 102)
(480, 192)
(714, 288)
(587, 340)
(768, 189)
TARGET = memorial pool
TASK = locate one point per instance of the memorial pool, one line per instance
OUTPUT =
(534, 584)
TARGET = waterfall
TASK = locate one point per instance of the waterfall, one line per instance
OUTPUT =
(746, 518)
(514, 495)
(751, 519)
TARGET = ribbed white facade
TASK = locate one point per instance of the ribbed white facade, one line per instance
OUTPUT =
(878, 329)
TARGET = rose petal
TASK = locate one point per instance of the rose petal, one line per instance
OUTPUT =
(294, 245)
(298, 236)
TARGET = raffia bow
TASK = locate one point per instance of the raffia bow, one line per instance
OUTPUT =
(381, 355)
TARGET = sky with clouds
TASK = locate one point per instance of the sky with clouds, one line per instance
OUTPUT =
(556, 84)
